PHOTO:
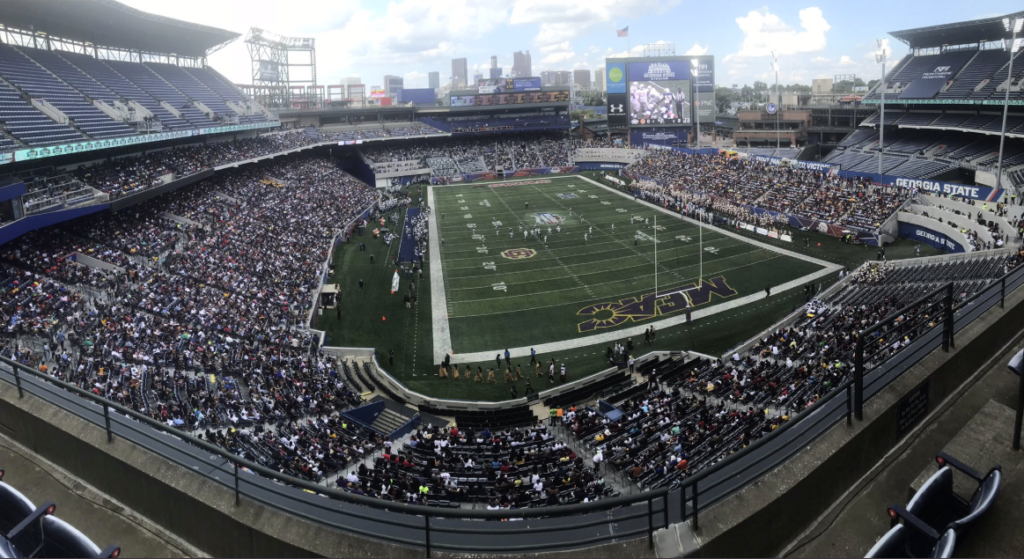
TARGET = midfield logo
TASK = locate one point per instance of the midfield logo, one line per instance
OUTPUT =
(567, 196)
(545, 218)
(519, 253)
(648, 306)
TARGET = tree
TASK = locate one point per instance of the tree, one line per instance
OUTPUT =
(760, 86)
(724, 98)
(591, 98)
(747, 94)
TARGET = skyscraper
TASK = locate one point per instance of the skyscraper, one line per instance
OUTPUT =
(495, 73)
(521, 64)
(392, 85)
(477, 78)
(494, 61)
(434, 80)
(460, 73)
(599, 79)
(581, 78)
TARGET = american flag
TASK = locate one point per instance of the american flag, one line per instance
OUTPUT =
(624, 32)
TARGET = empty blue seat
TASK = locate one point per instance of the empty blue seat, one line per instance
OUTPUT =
(895, 544)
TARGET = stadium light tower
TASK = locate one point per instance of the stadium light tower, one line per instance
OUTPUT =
(1013, 27)
(778, 101)
(880, 58)
(696, 95)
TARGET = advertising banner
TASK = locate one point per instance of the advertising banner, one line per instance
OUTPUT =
(617, 109)
(269, 71)
(795, 163)
(936, 75)
(929, 237)
(505, 99)
(615, 74)
(665, 137)
(705, 67)
(377, 92)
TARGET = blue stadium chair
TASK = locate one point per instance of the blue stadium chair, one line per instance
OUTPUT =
(64, 540)
(939, 507)
(895, 542)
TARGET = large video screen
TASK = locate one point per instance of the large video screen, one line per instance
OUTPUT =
(659, 93)
(505, 99)
(659, 103)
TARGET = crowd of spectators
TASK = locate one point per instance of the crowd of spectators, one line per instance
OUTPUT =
(504, 468)
(194, 306)
(689, 415)
(131, 174)
(785, 190)
(453, 156)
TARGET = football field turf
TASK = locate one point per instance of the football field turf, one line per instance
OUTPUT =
(504, 290)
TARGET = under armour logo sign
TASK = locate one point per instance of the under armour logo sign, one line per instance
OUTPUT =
(615, 108)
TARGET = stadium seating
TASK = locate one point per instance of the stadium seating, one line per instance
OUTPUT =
(148, 81)
(936, 517)
(225, 89)
(105, 72)
(40, 81)
(896, 543)
(28, 124)
(28, 531)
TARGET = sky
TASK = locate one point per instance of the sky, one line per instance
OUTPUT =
(410, 38)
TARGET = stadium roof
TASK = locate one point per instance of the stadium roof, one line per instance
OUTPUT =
(109, 23)
(962, 33)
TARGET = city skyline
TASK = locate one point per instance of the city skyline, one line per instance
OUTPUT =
(411, 38)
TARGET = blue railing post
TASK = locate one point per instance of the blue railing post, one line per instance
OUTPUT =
(858, 380)
(696, 509)
(106, 421)
(947, 303)
(426, 518)
(17, 381)
(238, 496)
(849, 405)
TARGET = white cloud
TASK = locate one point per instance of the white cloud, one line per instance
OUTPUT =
(820, 60)
(697, 50)
(567, 19)
(405, 32)
(845, 60)
(765, 32)
(564, 45)
(556, 58)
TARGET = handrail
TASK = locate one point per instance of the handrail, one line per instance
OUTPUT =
(411, 509)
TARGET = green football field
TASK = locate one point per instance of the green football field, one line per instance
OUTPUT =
(372, 317)
(505, 287)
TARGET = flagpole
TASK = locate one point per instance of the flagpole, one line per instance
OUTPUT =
(655, 261)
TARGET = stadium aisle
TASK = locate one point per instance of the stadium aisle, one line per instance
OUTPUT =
(91, 512)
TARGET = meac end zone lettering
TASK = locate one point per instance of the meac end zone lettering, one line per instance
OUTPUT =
(648, 306)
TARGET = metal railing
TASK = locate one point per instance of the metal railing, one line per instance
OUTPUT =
(425, 527)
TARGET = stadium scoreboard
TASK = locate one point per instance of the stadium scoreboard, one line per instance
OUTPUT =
(660, 92)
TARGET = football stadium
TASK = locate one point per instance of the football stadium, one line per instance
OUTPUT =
(520, 313)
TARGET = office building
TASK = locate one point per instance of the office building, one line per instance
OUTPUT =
(599, 79)
(460, 73)
(434, 80)
(392, 85)
(521, 64)
(581, 78)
